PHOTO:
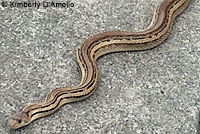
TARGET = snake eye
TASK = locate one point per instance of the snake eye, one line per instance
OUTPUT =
(20, 121)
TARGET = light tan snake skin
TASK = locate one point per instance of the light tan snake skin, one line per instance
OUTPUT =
(91, 49)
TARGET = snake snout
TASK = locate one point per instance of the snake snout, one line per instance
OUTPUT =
(18, 120)
(14, 123)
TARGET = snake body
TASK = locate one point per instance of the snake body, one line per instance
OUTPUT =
(91, 49)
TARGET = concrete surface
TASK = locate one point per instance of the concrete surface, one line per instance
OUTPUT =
(150, 92)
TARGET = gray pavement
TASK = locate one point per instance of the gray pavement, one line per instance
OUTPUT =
(149, 92)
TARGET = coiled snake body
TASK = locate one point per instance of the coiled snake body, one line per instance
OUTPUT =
(91, 49)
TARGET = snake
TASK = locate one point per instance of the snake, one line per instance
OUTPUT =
(94, 47)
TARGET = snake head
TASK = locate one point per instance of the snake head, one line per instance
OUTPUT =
(18, 120)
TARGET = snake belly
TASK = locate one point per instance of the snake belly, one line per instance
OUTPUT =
(91, 49)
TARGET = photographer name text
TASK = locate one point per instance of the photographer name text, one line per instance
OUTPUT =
(44, 4)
